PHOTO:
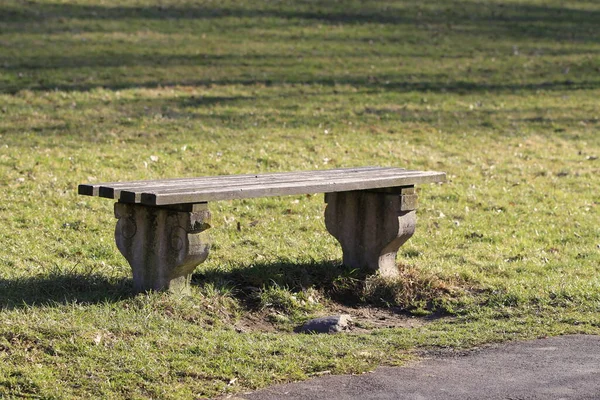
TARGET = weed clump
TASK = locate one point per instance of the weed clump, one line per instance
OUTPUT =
(305, 290)
(413, 290)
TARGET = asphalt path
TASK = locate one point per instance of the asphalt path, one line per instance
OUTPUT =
(564, 367)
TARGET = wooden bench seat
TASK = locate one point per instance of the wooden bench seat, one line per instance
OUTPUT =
(162, 224)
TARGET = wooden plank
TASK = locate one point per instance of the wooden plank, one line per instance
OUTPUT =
(227, 187)
(275, 189)
(112, 189)
(226, 180)
(134, 195)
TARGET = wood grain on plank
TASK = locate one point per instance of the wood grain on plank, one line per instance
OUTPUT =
(134, 194)
(229, 187)
(110, 189)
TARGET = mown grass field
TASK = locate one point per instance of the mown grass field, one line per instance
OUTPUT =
(502, 95)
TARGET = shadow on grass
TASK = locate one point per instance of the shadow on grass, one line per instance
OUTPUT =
(395, 84)
(250, 285)
(336, 282)
(494, 27)
(244, 281)
(60, 289)
(536, 21)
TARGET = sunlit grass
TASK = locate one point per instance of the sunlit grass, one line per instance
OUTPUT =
(502, 95)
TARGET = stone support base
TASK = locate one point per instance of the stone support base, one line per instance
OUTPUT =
(371, 226)
(162, 245)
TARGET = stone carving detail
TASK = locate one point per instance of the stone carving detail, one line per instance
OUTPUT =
(163, 246)
(128, 227)
(371, 226)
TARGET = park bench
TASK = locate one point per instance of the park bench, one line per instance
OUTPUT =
(162, 224)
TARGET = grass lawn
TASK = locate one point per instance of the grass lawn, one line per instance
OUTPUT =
(502, 95)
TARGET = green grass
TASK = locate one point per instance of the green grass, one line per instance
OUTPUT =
(502, 95)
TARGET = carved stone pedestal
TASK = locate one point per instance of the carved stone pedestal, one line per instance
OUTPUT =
(162, 245)
(371, 226)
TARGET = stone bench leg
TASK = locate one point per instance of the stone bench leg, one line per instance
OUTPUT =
(162, 245)
(371, 226)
